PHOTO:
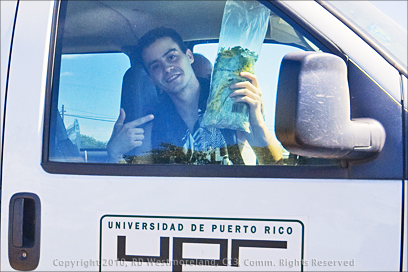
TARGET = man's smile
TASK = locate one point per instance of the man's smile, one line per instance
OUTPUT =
(173, 77)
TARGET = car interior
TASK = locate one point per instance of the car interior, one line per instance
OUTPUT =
(114, 27)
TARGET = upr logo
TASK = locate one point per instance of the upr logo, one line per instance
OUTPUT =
(178, 260)
(164, 243)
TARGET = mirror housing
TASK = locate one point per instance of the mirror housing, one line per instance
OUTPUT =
(313, 110)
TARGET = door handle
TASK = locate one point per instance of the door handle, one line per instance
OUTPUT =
(24, 231)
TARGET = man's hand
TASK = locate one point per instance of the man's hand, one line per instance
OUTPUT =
(249, 92)
(264, 144)
(127, 136)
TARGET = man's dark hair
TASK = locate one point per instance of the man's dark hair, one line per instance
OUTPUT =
(153, 35)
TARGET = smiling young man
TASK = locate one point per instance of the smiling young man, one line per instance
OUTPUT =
(176, 135)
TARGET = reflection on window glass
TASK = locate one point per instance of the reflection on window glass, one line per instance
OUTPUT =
(89, 100)
(267, 71)
(147, 107)
(374, 22)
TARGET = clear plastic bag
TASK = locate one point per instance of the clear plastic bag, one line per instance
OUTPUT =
(243, 31)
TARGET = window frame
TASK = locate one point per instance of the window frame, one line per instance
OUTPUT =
(177, 170)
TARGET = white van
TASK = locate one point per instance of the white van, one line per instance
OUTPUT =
(334, 87)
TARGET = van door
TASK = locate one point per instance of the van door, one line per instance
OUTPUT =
(65, 206)
(8, 10)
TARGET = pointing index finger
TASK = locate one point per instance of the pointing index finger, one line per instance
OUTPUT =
(141, 121)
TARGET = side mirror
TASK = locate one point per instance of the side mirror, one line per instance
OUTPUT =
(313, 110)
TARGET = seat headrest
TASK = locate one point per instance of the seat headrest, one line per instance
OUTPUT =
(139, 95)
(202, 66)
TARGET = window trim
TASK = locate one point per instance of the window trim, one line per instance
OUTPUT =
(177, 170)
(173, 170)
(55, 27)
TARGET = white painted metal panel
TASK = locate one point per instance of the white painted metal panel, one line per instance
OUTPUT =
(358, 221)
(8, 9)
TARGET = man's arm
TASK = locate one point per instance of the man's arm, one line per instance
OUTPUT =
(264, 144)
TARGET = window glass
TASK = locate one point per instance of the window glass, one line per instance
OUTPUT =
(89, 102)
(375, 23)
(109, 105)
(267, 71)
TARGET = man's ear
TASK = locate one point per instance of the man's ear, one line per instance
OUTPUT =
(190, 55)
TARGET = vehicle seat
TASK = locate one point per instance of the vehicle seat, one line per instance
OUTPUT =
(139, 95)
(202, 66)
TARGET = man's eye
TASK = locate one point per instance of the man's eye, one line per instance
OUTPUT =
(172, 57)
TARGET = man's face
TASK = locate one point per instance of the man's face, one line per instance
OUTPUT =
(168, 66)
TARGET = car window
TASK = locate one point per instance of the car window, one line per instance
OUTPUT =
(102, 87)
(267, 71)
(377, 25)
(89, 101)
